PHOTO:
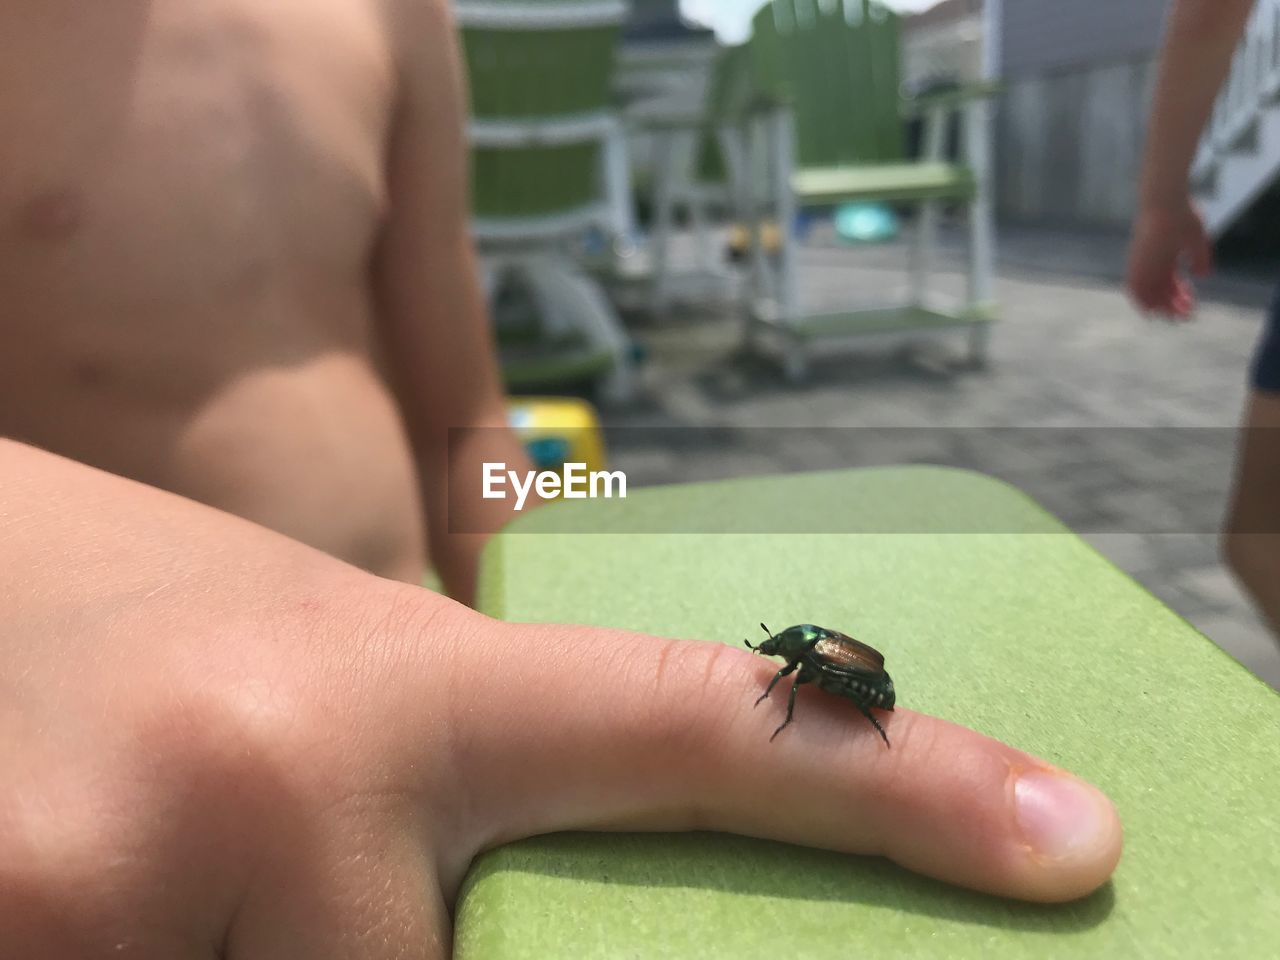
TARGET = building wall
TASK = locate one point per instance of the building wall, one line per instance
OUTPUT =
(1069, 144)
(1071, 123)
(1042, 35)
(655, 20)
(943, 43)
(951, 51)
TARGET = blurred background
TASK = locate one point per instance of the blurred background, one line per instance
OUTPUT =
(815, 234)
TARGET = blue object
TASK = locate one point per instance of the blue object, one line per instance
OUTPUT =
(866, 222)
(548, 453)
(806, 217)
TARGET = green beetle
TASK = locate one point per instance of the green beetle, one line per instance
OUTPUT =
(837, 663)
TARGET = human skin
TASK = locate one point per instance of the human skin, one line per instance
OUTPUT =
(1251, 541)
(1168, 238)
(220, 742)
(234, 264)
(1200, 38)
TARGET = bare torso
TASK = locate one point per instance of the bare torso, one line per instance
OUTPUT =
(189, 197)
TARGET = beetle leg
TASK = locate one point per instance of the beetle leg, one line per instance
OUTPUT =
(866, 712)
(785, 671)
(791, 702)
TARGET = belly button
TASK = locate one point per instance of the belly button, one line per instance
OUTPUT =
(51, 216)
(89, 374)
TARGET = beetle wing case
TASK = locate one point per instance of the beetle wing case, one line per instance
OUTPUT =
(846, 652)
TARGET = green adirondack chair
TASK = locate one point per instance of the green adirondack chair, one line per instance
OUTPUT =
(829, 72)
(548, 171)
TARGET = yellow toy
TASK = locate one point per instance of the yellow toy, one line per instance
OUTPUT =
(558, 430)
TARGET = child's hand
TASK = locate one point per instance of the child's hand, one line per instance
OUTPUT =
(216, 741)
(1167, 241)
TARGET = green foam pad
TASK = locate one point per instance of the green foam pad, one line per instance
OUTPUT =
(990, 614)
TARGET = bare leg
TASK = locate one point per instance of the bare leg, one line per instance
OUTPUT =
(1252, 540)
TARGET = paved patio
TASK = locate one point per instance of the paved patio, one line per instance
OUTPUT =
(1123, 428)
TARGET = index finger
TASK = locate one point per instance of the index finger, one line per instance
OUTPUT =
(610, 730)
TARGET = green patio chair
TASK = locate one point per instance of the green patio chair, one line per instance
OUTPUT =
(548, 172)
(835, 135)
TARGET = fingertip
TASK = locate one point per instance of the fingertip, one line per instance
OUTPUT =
(973, 811)
(1071, 833)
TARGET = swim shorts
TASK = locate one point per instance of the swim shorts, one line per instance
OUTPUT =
(1266, 362)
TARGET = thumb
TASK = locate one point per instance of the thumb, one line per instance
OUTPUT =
(618, 731)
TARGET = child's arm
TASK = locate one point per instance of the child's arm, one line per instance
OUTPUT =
(1199, 41)
(432, 317)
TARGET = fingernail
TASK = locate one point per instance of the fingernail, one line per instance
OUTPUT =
(1061, 816)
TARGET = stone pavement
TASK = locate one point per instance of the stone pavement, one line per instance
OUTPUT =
(1122, 428)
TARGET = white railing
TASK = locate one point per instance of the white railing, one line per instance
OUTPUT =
(1254, 82)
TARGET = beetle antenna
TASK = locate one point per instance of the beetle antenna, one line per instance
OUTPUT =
(750, 647)
(768, 632)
